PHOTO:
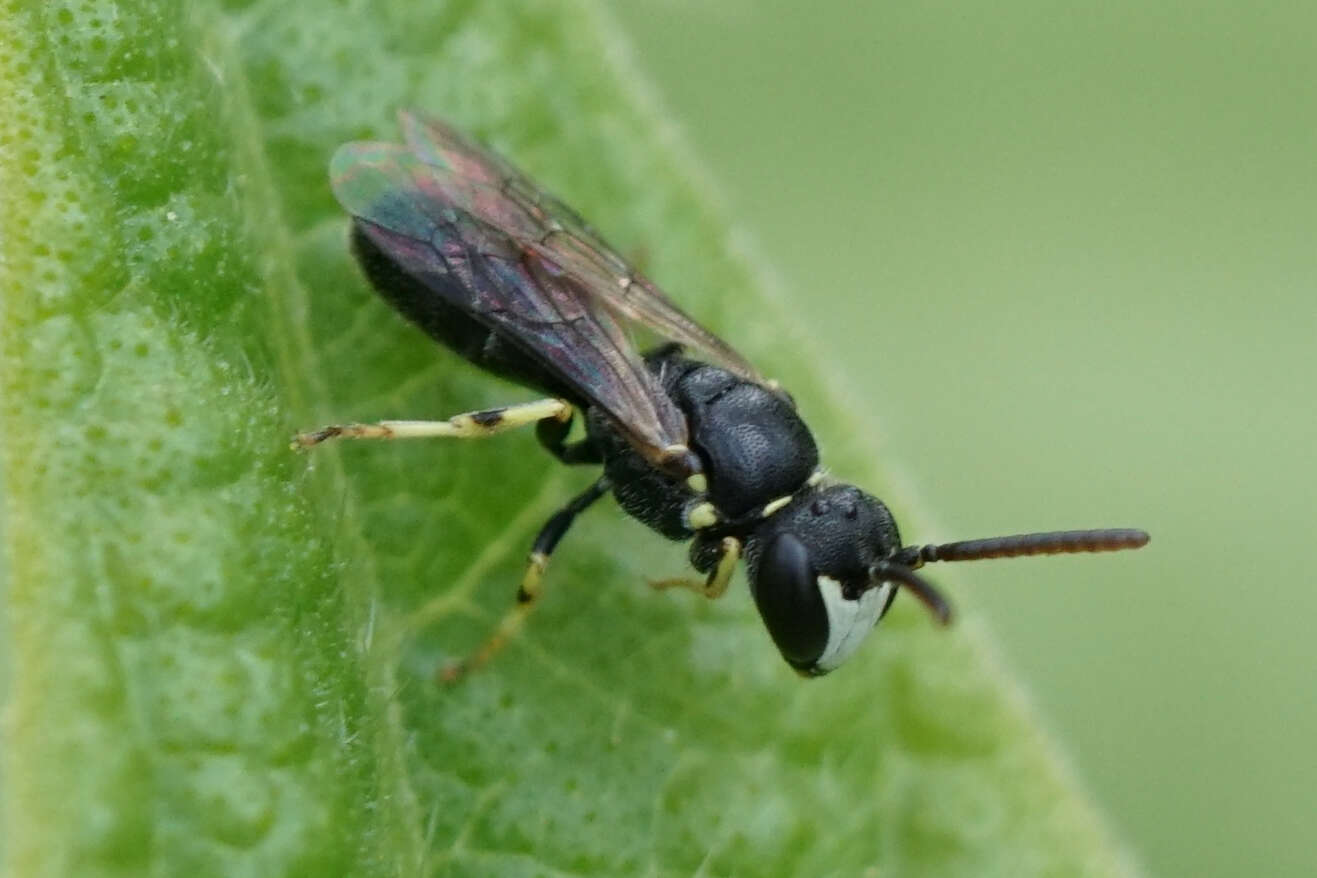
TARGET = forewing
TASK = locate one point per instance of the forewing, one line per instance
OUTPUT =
(425, 223)
(491, 189)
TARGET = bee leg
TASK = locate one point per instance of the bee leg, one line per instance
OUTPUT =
(469, 425)
(528, 592)
(728, 554)
(552, 433)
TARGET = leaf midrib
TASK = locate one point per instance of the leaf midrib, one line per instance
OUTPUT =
(305, 394)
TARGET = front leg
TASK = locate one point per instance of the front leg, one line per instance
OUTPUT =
(715, 585)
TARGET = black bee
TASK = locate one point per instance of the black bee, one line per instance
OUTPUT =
(692, 440)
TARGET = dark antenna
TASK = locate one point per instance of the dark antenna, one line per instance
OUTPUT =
(1056, 542)
(886, 571)
(901, 566)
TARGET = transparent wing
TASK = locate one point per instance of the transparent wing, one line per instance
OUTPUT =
(491, 189)
(426, 223)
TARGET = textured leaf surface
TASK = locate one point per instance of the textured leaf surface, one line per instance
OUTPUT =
(220, 654)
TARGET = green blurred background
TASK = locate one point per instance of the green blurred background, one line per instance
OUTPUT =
(1068, 251)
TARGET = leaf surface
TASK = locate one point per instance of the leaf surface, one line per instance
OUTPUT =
(220, 654)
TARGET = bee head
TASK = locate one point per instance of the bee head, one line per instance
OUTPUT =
(810, 569)
(824, 569)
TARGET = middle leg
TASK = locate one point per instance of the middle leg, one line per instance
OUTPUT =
(528, 593)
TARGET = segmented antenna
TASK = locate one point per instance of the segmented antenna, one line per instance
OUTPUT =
(1057, 542)
(888, 571)
(901, 566)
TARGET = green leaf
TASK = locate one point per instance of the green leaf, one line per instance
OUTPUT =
(220, 654)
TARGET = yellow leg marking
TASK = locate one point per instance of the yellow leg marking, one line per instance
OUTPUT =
(721, 577)
(468, 425)
(508, 627)
(716, 585)
(702, 515)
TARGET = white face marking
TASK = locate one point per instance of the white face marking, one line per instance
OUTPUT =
(848, 621)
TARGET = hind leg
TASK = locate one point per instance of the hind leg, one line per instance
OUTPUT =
(468, 425)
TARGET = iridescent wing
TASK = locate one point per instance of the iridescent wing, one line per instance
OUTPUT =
(491, 189)
(432, 226)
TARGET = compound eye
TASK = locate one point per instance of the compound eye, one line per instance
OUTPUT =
(789, 601)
